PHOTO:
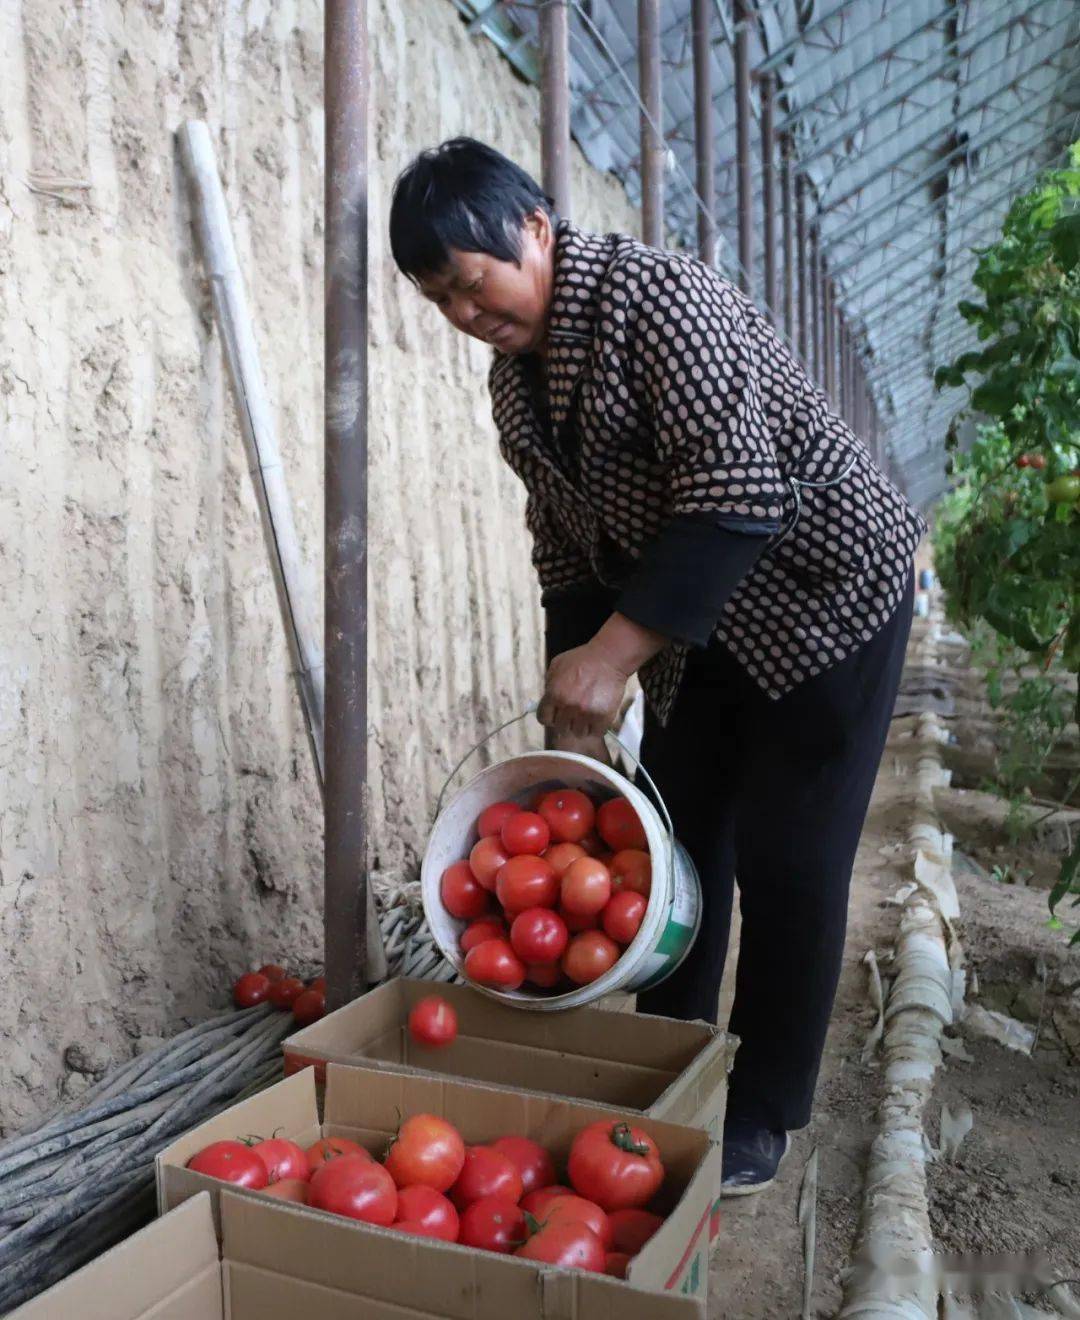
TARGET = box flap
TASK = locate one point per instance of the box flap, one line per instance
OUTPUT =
(168, 1270)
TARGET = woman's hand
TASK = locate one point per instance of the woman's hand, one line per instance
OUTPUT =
(584, 689)
(583, 692)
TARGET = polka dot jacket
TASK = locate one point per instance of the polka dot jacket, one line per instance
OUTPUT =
(671, 396)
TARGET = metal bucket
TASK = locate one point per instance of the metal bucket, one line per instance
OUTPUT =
(672, 918)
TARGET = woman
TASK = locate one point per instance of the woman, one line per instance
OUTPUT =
(699, 518)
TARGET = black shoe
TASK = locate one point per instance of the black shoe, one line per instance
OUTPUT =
(752, 1155)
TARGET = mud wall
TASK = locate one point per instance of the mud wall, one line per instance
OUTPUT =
(159, 820)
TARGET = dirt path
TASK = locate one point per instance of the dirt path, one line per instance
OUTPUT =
(758, 1264)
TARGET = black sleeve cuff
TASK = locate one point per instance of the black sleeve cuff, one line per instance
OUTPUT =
(687, 574)
(574, 615)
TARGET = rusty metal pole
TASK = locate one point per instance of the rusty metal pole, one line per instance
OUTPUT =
(816, 295)
(652, 140)
(701, 20)
(555, 102)
(787, 203)
(802, 341)
(345, 65)
(742, 148)
(768, 187)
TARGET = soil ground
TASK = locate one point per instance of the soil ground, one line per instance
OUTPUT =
(1015, 1183)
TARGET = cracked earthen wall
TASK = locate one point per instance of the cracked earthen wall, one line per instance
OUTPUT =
(159, 820)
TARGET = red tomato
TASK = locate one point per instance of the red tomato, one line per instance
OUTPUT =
(285, 993)
(616, 1263)
(615, 1165)
(631, 1229)
(569, 1245)
(1037, 461)
(524, 833)
(485, 928)
(427, 1152)
(526, 882)
(585, 1212)
(493, 818)
(356, 1187)
(531, 1160)
(632, 869)
(414, 1227)
(494, 963)
(283, 1159)
(309, 1007)
(539, 935)
(493, 1224)
(593, 844)
(485, 859)
(589, 955)
(432, 1021)
(430, 1209)
(1023, 461)
(576, 922)
(331, 1148)
(569, 814)
(319, 983)
(486, 1173)
(536, 1203)
(231, 1161)
(462, 894)
(585, 887)
(623, 916)
(560, 855)
(619, 826)
(545, 975)
(289, 1189)
(252, 988)
(272, 971)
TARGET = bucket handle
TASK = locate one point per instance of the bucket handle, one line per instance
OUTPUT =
(531, 710)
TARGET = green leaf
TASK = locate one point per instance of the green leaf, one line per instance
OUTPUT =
(1065, 240)
(1066, 877)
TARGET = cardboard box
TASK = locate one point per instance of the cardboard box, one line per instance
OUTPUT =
(368, 1106)
(668, 1069)
(277, 1262)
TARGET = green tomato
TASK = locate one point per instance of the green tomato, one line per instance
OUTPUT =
(1063, 490)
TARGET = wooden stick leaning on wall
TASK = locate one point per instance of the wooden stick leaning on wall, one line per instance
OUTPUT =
(256, 418)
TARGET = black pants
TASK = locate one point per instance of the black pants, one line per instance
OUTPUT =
(773, 794)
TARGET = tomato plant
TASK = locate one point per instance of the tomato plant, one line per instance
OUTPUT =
(231, 1161)
(615, 1165)
(539, 935)
(486, 1172)
(427, 1151)
(356, 1187)
(432, 1021)
(1007, 537)
(493, 1224)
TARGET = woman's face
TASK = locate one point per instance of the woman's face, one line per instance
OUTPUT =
(496, 301)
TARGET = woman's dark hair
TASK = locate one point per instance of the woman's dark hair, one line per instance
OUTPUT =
(464, 195)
